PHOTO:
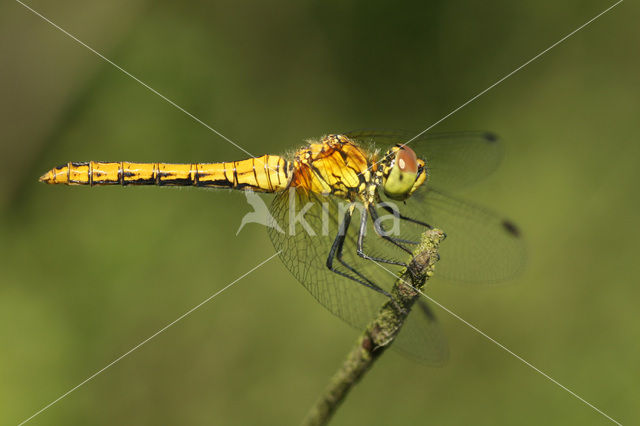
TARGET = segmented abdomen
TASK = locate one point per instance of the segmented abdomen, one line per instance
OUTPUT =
(268, 173)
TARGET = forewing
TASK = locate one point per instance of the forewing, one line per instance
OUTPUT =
(454, 160)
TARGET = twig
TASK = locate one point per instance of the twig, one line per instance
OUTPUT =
(381, 331)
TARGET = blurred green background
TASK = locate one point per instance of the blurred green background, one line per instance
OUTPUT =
(86, 274)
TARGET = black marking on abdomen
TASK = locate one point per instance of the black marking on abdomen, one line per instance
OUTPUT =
(141, 181)
(121, 174)
(173, 182)
(267, 170)
(253, 167)
(218, 183)
(235, 175)
(246, 185)
(156, 173)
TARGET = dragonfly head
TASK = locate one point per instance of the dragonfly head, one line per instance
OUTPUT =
(403, 172)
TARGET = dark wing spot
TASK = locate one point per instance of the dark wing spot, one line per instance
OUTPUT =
(491, 137)
(510, 227)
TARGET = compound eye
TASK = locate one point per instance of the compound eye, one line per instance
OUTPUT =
(403, 174)
(407, 161)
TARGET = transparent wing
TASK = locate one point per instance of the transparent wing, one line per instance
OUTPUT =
(421, 337)
(481, 246)
(305, 254)
(454, 160)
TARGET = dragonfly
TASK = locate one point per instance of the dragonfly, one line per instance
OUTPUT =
(346, 204)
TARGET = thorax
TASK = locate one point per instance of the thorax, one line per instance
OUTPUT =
(337, 166)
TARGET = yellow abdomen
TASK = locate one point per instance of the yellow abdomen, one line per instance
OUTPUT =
(269, 173)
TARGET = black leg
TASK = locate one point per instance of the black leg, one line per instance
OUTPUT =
(361, 253)
(339, 249)
(403, 217)
(381, 232)
(336, 252)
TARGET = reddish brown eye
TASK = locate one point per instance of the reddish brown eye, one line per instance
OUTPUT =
(407, 160)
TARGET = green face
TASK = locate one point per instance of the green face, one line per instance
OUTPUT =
(405, 173)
